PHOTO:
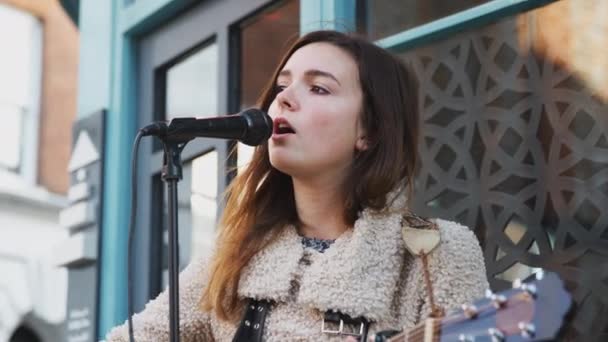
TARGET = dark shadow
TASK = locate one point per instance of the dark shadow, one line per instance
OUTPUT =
(23, 334)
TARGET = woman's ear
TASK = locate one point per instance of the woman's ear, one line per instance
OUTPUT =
(361, 144)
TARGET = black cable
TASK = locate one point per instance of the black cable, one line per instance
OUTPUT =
(140, 134)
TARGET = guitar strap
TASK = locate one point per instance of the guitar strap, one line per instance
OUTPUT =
(360, 323)
(421, 236)
(251, 328)
(436, 310)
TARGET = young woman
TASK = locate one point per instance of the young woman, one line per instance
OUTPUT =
(316, 240)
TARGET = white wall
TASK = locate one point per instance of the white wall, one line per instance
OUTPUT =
(29, 283)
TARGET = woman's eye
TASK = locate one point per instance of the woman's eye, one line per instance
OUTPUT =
(279, 88)
(319, 90)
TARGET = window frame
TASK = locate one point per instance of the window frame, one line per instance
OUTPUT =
(341, 15)
(473, 17)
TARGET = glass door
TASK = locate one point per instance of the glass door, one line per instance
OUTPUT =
(192, 67)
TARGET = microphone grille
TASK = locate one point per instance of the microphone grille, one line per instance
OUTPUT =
(259, 127)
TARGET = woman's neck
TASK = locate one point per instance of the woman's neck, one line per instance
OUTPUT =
(320, 208)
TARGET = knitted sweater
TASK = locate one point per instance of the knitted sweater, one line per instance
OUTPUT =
(366, 272)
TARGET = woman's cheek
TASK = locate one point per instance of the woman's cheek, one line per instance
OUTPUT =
(321, 119)
(272, 109)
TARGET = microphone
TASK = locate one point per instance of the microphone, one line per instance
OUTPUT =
(251, 126)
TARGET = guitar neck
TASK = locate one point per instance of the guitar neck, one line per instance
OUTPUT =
(534, 310)
(425, 331)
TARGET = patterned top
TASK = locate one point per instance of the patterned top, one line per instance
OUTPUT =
(320, 245)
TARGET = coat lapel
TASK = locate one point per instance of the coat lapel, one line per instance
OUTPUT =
(359, 273)
(270, 272)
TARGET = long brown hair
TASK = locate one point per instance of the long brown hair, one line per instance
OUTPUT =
(260, 200)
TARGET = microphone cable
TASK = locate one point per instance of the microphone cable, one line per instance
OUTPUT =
(130, 260)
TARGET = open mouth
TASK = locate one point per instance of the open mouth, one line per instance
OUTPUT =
(281, 126)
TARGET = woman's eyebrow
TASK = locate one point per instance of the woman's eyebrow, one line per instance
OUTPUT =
(311, 73)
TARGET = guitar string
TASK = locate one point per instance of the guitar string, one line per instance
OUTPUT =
(418, 331)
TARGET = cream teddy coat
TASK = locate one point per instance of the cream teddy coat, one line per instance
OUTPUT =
(366, 272)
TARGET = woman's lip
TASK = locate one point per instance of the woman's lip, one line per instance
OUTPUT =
(280, 136)
(278, 121)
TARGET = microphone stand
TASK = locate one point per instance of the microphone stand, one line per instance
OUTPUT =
(174, 138)
(171, 174)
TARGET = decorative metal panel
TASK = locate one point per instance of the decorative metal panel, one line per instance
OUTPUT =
(515, 146)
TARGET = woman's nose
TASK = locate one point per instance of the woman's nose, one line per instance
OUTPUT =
(286, 99)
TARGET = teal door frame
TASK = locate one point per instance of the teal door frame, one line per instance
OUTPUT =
(109, 30)
(107, 74)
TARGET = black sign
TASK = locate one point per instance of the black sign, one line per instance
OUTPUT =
(83, 220)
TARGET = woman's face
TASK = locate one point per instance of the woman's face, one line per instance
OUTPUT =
(316, 114)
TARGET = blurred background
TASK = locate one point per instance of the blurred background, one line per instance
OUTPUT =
(514, 143)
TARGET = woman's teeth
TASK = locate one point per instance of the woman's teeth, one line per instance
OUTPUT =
(284, 129)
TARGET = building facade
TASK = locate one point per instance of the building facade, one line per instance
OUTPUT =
(514, 132)
(38, 68)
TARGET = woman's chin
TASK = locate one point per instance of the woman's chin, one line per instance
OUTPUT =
(284, 164)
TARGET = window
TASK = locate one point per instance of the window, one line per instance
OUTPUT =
(19, 92)
(188, 86)
(192, 85)
(11, 135)
(271, 30)
(190, 89)
(382, 18)
(196, 210)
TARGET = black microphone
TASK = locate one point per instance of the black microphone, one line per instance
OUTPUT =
(251, 126)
